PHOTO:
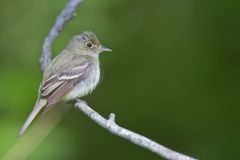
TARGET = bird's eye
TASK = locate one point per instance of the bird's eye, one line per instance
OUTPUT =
(89, 45)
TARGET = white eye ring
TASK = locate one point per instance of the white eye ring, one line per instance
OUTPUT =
(89, 45)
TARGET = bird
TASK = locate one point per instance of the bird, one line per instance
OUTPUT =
(72, 74)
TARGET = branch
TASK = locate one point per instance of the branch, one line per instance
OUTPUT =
(110, 125)
(66, 15)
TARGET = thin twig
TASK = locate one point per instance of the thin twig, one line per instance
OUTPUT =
(109, 124)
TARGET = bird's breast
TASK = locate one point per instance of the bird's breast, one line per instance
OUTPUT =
(86, 86)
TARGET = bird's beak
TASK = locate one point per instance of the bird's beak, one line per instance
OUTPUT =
(103, 49)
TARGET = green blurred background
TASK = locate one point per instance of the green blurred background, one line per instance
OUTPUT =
(173, 76)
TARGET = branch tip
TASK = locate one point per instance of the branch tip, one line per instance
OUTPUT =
(112, 117)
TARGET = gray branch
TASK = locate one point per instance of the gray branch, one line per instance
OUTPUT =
(66, 15)
(109, 124)
(138, 139)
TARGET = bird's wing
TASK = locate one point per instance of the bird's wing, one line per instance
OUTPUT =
(59, 84)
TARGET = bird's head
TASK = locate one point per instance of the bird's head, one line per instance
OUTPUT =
(88, 43)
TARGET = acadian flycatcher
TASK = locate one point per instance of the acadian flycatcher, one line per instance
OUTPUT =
(72, 74)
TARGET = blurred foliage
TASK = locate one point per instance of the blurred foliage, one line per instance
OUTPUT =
(173, 76)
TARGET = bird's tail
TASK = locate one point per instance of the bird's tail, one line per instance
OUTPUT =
(38, 106)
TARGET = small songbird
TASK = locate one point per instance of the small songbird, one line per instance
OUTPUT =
(72, 74)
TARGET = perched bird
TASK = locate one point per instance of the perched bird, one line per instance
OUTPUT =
(72, 74)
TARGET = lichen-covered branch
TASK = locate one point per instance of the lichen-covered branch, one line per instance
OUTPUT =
(108, 124)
